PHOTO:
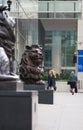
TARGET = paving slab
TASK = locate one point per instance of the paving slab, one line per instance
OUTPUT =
(65, 114)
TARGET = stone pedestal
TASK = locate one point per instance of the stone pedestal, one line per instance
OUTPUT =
(18, 110)
(44, 96)
(11, 85)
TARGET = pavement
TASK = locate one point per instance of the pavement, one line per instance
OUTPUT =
(66, 113)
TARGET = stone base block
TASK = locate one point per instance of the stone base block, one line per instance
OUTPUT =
(45, 97)
(18, 110)
(34, 87)
(11, 85)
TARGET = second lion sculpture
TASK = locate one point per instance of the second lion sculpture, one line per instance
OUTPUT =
(31, 64)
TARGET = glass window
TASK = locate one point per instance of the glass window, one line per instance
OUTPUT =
(42, 6)
(68, 46)
(68, 15)
(64, 6)
(59, 9)
(78, 7)
(48, 48)
(46, 15)
(63, 41)
(51, 6)
(60, 15)
(48, 57)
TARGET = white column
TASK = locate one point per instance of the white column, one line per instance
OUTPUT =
(29, 40)
(56, 53)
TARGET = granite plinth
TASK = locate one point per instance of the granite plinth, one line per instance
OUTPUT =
(11, 85)
(44, 96)
(34, 87)
(18, 110)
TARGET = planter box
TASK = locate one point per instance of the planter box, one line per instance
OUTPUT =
(62, 86)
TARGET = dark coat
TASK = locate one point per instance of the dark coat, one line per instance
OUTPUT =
(73, 80)
(51, 81)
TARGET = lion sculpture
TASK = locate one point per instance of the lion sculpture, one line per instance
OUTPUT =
(31, 65)
(7, 42)
(4, 62)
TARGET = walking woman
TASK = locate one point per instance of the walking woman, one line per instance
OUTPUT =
(73, 82)
(51, 80)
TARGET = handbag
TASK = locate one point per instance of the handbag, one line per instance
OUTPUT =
(68, 82)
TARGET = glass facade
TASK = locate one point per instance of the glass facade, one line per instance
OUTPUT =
(59, 9)
(26, 32)
(68, 47)
(48, 49)
(63, 43)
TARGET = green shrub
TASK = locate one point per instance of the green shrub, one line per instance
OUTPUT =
(66, 76)
(45, 77)
(58, 77)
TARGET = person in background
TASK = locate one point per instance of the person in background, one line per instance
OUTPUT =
(73, 82)
(51, 80)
